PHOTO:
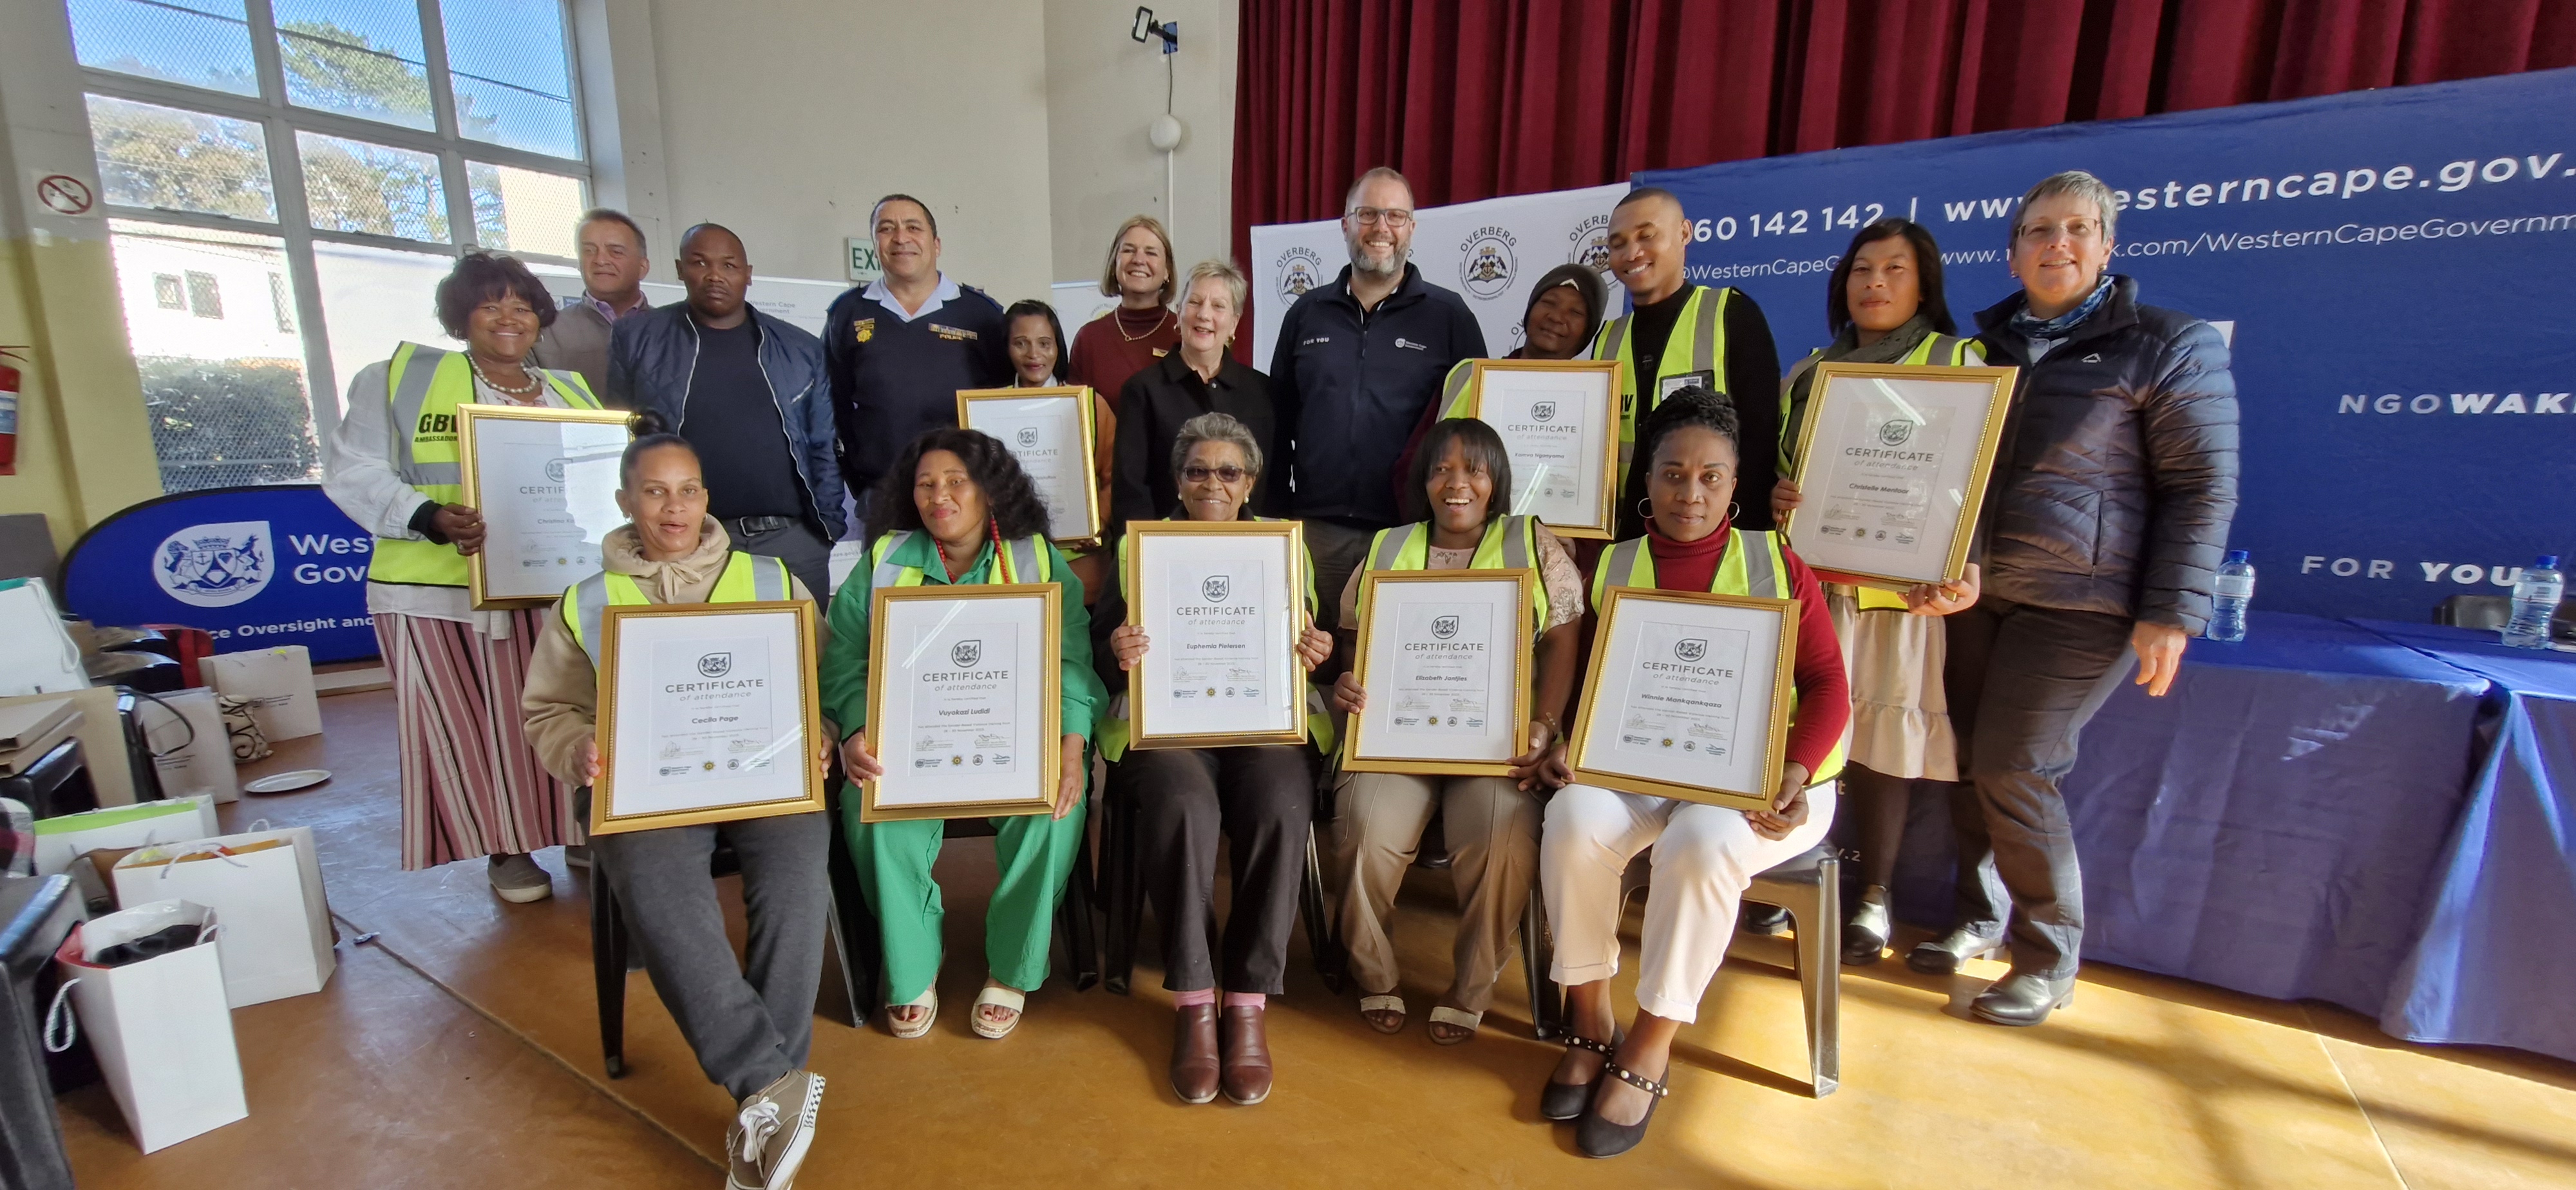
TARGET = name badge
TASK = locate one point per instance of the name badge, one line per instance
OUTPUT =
(866, 329)
(1160, 352)
(1668, 385)
(952, 334)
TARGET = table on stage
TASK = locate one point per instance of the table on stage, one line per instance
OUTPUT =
(2277, 824)
(2496, 955)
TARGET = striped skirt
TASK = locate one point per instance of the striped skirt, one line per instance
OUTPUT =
(471, 786)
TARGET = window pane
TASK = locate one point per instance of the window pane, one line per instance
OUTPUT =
(202, 43)
(373, 299)
(355, 186)
(222, 384)
(512, 75)
(176, 160)
(355, 57)
(522, 210)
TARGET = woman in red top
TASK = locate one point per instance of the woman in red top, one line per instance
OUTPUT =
(1704, 856)
(1143, 328)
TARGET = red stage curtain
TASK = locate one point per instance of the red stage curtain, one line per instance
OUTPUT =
(1473, 100)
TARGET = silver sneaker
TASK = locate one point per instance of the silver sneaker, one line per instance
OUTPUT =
(519, 880)
(767, 1140)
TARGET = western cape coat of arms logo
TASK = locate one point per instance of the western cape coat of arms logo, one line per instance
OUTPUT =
(1690, 650)
(215, 565)
(1216, 587)
(1444, 627)
(715, 665)
(966, 653)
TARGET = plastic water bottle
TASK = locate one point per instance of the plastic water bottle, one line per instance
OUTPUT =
(2235, 590)
(2535, 599)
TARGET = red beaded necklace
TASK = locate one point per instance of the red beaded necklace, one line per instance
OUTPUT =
(1001, 557)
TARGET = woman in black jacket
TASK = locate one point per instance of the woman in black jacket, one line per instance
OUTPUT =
(1199, 378)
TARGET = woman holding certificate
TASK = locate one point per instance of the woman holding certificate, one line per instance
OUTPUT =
(1259, 796)
(957, 510)
(1704, 855)
(1037, 361)
(470, 785)
(1885, 305)
(1489, 822)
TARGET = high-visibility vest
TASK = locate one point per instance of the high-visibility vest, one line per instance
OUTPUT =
(746, 578)
(1510, 543)
(1946, 351)
(1698, 344)
(1021, 560)
(1109, 729)
(1752, 565)
(426, 384)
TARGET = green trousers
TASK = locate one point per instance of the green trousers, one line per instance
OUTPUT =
(1035, 854)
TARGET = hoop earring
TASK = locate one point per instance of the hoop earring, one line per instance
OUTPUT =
(1646, 508)
(1733, 510)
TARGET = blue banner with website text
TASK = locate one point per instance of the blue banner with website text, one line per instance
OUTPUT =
(2387, 265)
(255, 567)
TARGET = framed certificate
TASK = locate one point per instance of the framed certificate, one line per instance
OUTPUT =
(1559, 421)
(963, 710)
(1049, 431)
(546, 483)
(1445, 658)
(1892, 468)
(1222, 603)
(1688, 696)
(708, 712)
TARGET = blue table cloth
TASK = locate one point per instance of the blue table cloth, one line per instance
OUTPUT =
(2272, 825)
(2495, 963)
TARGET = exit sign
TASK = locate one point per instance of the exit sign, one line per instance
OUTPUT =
(863, 263)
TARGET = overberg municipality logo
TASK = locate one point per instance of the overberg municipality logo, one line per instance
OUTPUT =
(1486, 267)
(215, 565)
(1592, 248)
(1296, 271)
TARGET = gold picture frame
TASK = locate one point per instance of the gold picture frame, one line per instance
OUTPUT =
(1608, 499)
(1292, 535)
(620, 625)
(1359, 755)
(1092, 529)
(1048, 598)
(1999, 383)
(1585, 739)
(472, 471)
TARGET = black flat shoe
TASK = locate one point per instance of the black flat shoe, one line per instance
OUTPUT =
(1566, 1101)
(1943, 955)
(1762, 921)
(1865, 935)
(1597, 1137)
(2022, 1000)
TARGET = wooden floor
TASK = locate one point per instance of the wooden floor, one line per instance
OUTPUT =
(458, 1047)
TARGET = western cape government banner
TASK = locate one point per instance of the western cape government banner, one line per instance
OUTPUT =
(2385, 262)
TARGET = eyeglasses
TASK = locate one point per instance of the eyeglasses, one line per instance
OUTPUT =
(2073, 229)
(1228, 473)
(1394, 218)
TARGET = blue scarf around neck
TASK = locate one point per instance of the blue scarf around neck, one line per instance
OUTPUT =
(2064, 324)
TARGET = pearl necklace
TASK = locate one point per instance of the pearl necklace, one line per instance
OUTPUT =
(534, 385)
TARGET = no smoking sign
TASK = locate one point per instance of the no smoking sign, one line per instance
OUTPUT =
(64, 194)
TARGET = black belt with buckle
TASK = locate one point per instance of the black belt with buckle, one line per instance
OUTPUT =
(753, 526)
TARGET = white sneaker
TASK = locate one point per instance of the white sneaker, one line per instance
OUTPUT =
(518, 879)
(767, 1140)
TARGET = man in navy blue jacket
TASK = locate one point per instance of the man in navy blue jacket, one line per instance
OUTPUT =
(1357, 362)
(748, 392)
(900, 347)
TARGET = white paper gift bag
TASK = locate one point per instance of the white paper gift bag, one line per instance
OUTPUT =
(159, 1026)
(190, 746)
(63, 839)
(267, 888)
(37, 655)
(278, 685)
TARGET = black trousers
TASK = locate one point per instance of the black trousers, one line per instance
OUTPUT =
(2023, 681)
(1263, 798)
(806, 554)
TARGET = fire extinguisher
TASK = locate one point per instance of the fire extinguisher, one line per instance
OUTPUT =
(9, 411)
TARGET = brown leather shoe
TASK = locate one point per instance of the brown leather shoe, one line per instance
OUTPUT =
(1247, 1056)
(1194, 1062)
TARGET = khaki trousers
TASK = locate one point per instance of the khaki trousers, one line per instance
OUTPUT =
(1492, 831)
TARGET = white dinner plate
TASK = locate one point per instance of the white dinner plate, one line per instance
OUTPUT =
(287, 782)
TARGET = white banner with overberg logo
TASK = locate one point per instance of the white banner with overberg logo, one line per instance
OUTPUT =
(1489, 252)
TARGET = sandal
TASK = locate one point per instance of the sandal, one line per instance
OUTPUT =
(1370, 1005)
(1455, 1019)
(896, 1025)
(1598, 1137)
(1001, 997)
(1566, 1101)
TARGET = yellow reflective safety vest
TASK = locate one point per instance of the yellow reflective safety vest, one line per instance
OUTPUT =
(1109, 728)
(1696, 354)
(1021, 560)
(426, 384)
(746, 578)
(1946, 351)
(1752, 565)
(1510, 543)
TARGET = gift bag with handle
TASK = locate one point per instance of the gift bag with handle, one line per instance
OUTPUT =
(62, 840)
(147, 986)
(267, 887)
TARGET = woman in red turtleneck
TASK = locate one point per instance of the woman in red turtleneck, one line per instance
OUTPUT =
(1704, 856)
(1143, 328)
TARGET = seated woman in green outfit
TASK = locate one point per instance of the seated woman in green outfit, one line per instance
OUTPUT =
(956, 508)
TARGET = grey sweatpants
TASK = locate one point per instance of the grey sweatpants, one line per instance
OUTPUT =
(749, 1023)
